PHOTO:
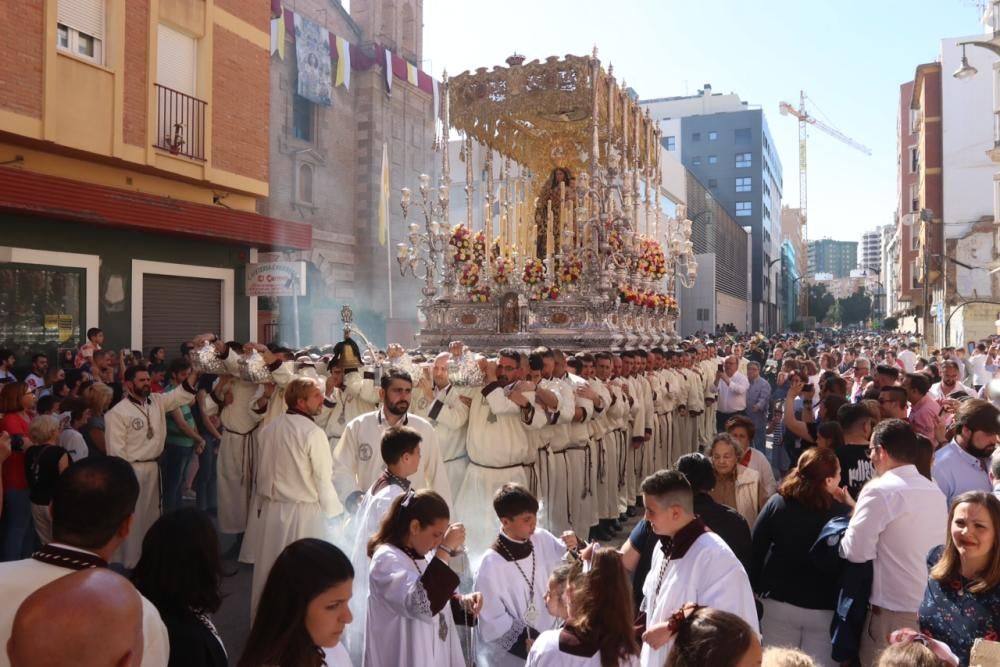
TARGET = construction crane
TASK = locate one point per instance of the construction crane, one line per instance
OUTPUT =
(805, 120)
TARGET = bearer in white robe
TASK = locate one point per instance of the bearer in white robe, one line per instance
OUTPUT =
(356, 461)
(412, 601)
(513, 577)
(400, 449)
(555, 438)
(692, 564)
(446, 407)
(294, 482)
(499, 450)
(136, 430)
(582, 452)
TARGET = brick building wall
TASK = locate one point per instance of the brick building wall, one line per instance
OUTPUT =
(240, 104)
(136, 84)
(21, 25)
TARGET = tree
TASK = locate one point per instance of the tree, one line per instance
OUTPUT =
(890, 324)
(820, 301)
(855, 308)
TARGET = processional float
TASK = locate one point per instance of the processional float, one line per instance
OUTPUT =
(562, 241)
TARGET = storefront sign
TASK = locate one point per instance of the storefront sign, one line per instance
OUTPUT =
(276, 279)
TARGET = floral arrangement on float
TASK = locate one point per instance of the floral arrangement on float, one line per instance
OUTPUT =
(570, 269)
(479, 294)
(468, 275)
(533, 272)
(545, 293)
(466, 245)
(652, 261)
(502, 270)
(615, 240)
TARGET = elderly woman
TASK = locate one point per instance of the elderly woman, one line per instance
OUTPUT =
(44, 461)
(735, 485)
(962, 600)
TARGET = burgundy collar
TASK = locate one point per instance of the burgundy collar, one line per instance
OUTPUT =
(412, 553)
(511, 550)
(573, 641)
(70, 559)
(295, 411)
(388, 479)
(677, 547)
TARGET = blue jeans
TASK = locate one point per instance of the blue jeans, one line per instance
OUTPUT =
(173, 467)
(205, 482)
(16, 526)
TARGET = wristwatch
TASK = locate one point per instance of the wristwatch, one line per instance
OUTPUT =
(452, 552)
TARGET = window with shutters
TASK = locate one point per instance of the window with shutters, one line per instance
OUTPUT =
(177, 61)
(81, 28)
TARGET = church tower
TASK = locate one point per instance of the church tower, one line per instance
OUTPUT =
(396, 24)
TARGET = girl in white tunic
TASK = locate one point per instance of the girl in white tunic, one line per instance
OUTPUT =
(412, 605)
(304, 609)
(599, 631)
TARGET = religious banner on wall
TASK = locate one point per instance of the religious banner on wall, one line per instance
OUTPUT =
(276, 279)
(312, 52)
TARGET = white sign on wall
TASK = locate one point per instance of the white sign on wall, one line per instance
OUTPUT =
(276, 279)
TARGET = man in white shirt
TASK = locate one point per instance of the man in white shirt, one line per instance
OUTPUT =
(908, 357)
(732, 386)
(899, 517)
(949, 383)
(92, 511)
(980, 374)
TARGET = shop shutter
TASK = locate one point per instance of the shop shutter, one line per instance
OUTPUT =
(86, 16)
(176, 61)
(177, 308)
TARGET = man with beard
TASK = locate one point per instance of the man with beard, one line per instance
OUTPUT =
(356, 461)
(949, 383)
(499, 449)
(136, 430)
(294, 491)
(963, 464)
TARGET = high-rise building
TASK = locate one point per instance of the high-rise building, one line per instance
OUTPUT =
(727, 146)
(837, 258)
(871, 250)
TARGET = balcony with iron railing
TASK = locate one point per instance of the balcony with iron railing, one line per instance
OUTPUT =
(180, 123)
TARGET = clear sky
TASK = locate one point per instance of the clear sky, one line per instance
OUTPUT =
(850, 56)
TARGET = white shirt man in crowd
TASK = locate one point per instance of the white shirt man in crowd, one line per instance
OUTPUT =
(899, 517)
(949, 383)
(136, 430)
(39, 369)
(693, 565)
(356, 461)
(732, 386)
(92, 515)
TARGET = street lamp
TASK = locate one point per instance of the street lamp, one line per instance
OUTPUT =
(966, 70)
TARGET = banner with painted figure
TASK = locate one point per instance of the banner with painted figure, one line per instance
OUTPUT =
(312, 52)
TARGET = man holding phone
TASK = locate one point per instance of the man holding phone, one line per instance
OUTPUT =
(732, 386)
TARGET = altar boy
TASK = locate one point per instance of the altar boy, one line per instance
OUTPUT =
(513, 577)
(400, 450)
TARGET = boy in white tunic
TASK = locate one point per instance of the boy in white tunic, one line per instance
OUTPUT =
(513, 577)
(400, 450)
(413, 606)
(691, 564)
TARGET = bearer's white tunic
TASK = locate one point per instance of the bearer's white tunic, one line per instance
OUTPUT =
(551, 650)
(449, 415)
(126, 430)
(21, 578)
(705, 572)
(505, 595)
(499, 452)
(358, 459)
(295, 490)
(402, 630)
